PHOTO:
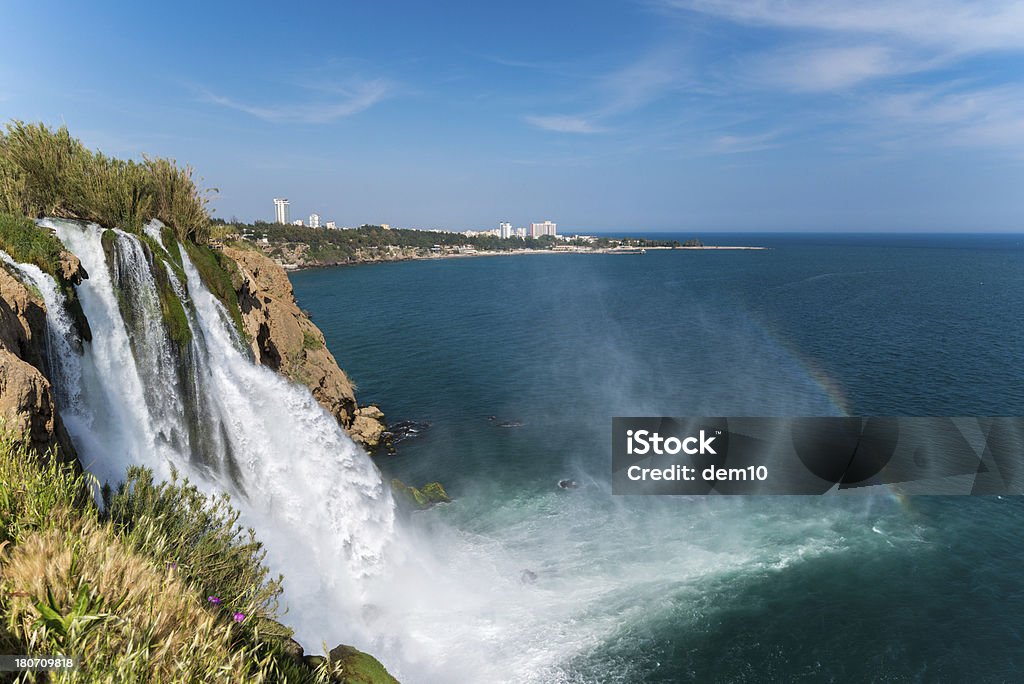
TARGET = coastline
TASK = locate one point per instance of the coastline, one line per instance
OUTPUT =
(620, 251)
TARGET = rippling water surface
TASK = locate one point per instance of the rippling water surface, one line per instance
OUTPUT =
(653, 589)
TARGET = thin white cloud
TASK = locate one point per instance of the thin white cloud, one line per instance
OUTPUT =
(738, 144)
(620, 92)
(962, 116)
(960, 25)
(564, 124)
(821, 69)
(345, 101)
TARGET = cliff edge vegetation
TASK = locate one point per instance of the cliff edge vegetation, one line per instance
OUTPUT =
(46, 172)
(160, 585)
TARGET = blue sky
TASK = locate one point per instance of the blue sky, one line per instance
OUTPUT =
(693, 115)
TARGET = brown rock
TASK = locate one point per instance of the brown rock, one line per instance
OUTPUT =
(71, 268)
(283, 338)
(26, 402)
(26, 396)
(368, 426)
(22, 321)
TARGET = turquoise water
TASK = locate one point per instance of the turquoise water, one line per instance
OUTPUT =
(674, 589)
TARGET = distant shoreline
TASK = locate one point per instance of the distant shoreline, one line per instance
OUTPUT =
(621, 251)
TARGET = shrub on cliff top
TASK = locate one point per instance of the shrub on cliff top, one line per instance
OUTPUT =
(46, 172)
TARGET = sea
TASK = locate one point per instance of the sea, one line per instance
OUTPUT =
(519, 363)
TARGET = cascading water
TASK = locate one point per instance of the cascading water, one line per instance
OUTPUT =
(212, 414)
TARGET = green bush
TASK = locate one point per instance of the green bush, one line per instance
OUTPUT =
(175, 523)
(127, 589)
(36, 492)
(46, 172)
(28, 243)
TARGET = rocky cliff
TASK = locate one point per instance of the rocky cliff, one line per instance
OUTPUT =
(283, 338)
(26, 396)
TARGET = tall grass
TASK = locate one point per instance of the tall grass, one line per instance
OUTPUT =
(174, 523)
(131, 590)
(45, 172)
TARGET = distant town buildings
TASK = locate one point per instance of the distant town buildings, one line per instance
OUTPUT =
(297, 222)
(331, 225)
(504, 230)
(545, 228)
(521, 233)
(386, 226)
(314, 220)
(281, 210)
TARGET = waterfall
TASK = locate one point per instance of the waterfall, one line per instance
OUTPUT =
(135, 396)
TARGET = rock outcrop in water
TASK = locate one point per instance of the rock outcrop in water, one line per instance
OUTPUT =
(26, 396)
(283, 338)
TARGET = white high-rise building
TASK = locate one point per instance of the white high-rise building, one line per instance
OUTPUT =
(521, 233)
(314, 220)
(545, 228)
(504, 230)
(281, 210)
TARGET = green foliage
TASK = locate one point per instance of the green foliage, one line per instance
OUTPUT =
(46, 172)
(28, 243)
(127, 588)
(311, 341)
(330, 246)
(36, 492)
(87, 611)
(174, 523)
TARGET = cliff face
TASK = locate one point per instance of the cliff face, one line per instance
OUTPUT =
(283, 338)
(26, 396)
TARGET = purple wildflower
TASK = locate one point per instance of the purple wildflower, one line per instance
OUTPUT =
(213, 600)
(239, 617)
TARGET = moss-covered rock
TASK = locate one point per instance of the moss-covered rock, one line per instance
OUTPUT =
(170, 244)
(418, 499)
(435, 493)
(29, 243)
(352, 666)
(220, 275)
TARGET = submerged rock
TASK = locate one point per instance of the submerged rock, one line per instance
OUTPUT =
(493, 420)
(528, 576)
(403, 430)
(567, 484)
